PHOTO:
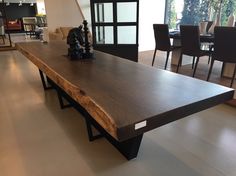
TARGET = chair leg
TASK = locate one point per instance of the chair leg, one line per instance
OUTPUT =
(3, 39)
(222, 69)
(180, 60)
(209, 59)
(232, 81)
(209, 73)
(167, 57)
(195, 68)
(193, 62)
(154, 55)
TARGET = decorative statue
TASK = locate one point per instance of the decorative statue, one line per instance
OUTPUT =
(75, 40)
(87, 45)
(79, 44)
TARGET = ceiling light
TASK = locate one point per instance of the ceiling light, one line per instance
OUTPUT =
(31, 4)
(20, 4)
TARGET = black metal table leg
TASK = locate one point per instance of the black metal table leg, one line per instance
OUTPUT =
(45, 85)
(91, 136)
(62, 104)
(130, 147)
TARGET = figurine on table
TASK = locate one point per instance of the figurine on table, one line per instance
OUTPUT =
(77, 39)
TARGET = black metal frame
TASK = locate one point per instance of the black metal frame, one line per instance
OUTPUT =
(62, 104)
(46, 84)
(91, 135)
(129, 148)
(128, 51)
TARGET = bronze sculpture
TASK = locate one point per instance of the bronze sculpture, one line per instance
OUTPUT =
(77, 39)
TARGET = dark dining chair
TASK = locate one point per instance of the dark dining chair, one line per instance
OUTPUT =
(224, 48)
(209, 45)
(162, 40)
(190, 45)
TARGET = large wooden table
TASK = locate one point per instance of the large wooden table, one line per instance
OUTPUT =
(124, 98)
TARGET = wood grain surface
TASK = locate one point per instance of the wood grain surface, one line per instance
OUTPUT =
(119, 93)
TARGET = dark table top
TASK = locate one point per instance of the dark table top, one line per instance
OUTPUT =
(119, 94)
(203, 37)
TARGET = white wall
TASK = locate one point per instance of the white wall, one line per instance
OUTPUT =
(150, 12)
(62, 13)
(85, 7)
(41, 7)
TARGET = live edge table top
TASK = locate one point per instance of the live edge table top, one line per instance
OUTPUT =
(124, 97)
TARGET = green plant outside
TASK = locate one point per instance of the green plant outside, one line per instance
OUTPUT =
(195, 11)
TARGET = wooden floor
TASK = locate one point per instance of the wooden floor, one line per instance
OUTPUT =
(201, 73)
(37, 138)
(15, 37)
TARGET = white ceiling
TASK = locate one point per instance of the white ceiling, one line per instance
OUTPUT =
(17, 1)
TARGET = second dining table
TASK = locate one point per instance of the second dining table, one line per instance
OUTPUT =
(204, 38)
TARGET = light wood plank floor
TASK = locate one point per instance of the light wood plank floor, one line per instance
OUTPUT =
(37, 138)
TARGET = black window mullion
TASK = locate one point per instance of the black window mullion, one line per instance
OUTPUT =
(137, 22)
(98, 19)
(103, 24)
(93, 21)
(126, 23)
(115, 22)
(103, 28)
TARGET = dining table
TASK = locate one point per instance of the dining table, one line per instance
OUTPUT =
(205, 39)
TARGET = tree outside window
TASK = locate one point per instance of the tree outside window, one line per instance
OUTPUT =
(194, 11)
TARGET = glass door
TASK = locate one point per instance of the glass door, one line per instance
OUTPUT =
(115, 27)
